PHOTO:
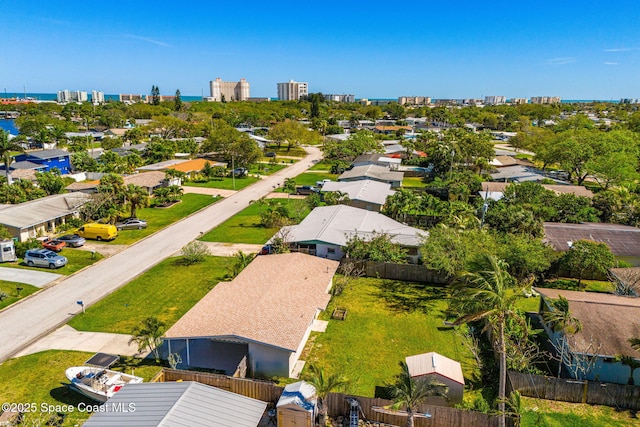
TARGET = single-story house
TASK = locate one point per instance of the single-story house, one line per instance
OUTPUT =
(164, 165)
(388, 130)
(192, 167)
(262, 318)
(434, 367)
(608, 322)
(366, 194)
(173, 404)
(518, 173)
(623, 240)
(25, 174)
(376, 159)
(297, 405)
(93, 135)
(495, 190)
(373, 172)
(327, 229)
(41, 216)
(115, 132)
(502, 161)
(125, 150)
(49, 159)
(627, 280)
(150, 180)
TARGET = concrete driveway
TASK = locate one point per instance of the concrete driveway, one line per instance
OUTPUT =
(35, 278)
(41, 313)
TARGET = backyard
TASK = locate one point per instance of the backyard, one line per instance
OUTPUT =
(386, 321)
(166, 291)
(246, 227)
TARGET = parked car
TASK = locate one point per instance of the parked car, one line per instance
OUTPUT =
(239, 172)
(55, 245)
(98, 231)
(44, 258)
(72, 240)
(131, 224)
(306, 190)
(270, 154)
(266, 250)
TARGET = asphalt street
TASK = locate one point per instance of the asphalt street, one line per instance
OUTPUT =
(38, 315)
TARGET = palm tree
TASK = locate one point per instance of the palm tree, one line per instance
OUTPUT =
(137, 197)
(6, 148)
(175, 193)
(635, 343)
(289, 187)
(485, 292)
(148, 335)
(241, 260)
(561, 320)
(410, 394)
(324, 385)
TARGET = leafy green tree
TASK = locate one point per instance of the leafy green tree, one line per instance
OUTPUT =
(293, 133)
(587, 258)
(6, 149)
(51, 182)
(358, 143)
(409, 393)
(155, 95)
(4, 233)
(379, 248)
(195, 252)
(158, 150)
(486, 292)
(170, 127)
(148, 335)
(324, 385)
(513, 219)
(235, 148)
(289, 186)
(560, 319)
(111, 143)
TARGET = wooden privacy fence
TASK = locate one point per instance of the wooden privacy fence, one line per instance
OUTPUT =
(403, 272)
(592, 392)
(337, 403)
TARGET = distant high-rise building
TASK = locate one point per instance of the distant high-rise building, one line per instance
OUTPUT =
(545, 99)
(130, 98)
(292, 90)
(228, 91)
(518, 101)
(97, 97)
(495, 100)
(629, 101)
(65, 96)
(414, 100)
(340, 97)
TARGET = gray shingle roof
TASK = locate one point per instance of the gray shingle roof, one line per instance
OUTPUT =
(337, 224)
(37, 211)
(623, 240)
(175, 404)
(48, 154)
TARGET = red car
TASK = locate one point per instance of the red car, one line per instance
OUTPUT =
(53, 244)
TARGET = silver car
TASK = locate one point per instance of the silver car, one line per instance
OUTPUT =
(44, 258)
(131, 224)
(72, 240)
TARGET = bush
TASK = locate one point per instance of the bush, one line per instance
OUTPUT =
(194, 252)
(70, 225)
(22, 247)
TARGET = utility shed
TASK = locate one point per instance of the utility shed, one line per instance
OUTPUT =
(297, 405)
(440, 369)
(178, 404)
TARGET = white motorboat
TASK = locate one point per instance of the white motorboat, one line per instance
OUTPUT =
(98, 383)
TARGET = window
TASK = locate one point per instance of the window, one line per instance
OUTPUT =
(331, 250)
(7, 249)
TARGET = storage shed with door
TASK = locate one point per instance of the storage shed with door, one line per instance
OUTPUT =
(297, 405)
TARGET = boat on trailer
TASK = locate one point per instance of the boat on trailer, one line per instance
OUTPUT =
(96, 381)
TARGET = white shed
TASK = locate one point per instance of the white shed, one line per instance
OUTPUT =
(297, 405)
(438, 368)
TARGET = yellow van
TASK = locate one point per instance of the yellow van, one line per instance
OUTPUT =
(98, 231)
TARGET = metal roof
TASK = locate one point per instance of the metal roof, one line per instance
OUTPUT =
(434, 363)
(46, 154)
(178, 404)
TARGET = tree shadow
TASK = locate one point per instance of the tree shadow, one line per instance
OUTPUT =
(409, 296)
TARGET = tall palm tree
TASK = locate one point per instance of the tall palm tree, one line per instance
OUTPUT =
(561, 320)
(240, 261)
(410, 394)
(6, 148)
(324, 385)
(485, 292)
(137, 197)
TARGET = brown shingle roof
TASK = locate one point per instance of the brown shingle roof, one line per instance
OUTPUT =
(193, 165)
(623, 240)
(145, 179)
(607, 319)
(272, 301)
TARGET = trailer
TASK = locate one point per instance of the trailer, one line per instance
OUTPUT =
(7, 251)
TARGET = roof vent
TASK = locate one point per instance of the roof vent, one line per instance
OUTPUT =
(433, 360)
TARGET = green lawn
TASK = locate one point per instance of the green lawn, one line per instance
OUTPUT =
(386, 322)
(245, 227)
(589, 285)
(413, 182)
(323, 165)
(266, 168)
(158, 218)
(548, 413)
(282, 151)
(10, 289)
(77, 260)
(310, 178)
(166, 291)
(225, 183)
(39, 378)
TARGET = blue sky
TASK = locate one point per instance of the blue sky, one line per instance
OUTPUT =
(376, 49)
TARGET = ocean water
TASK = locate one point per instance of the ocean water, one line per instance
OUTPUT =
(54, 96)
